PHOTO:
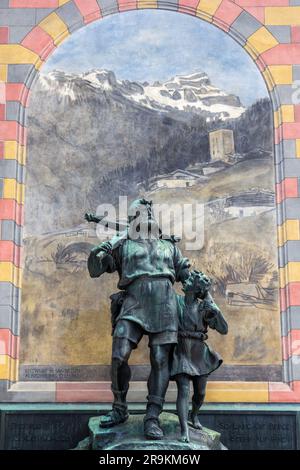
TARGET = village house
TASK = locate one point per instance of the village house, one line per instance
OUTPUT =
(249, 203)
(176, 179)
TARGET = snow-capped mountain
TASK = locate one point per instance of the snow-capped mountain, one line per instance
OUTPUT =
(92, 137)
(192, 93)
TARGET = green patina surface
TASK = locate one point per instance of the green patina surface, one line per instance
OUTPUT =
(130, 435)
(136, 407)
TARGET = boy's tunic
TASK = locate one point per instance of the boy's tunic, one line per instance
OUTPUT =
(192, 356)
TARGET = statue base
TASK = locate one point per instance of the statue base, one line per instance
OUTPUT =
(130, 436)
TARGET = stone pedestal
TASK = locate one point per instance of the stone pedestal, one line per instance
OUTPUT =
(130, 436)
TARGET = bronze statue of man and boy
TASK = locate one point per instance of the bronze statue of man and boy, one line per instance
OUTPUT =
(148, 264)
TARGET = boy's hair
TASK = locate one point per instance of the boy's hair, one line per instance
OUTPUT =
(197, 281)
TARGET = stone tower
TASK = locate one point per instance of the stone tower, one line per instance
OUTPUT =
(221, 144)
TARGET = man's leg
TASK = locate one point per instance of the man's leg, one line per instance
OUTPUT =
(120, 377)
(157, 386)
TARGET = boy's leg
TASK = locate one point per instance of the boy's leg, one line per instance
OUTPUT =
(182, 404)
(199, 385)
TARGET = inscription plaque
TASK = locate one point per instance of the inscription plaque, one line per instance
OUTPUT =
(255, 431)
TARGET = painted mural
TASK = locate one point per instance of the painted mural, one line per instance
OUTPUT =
(134, 106)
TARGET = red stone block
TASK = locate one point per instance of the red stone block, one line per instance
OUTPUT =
(281, 392)
(9, 343)
(287, 188)
(2, 112)
(282, 54)
(293, 293)
(297, 112)
(283, 300)
(278, 135)
(83, 392)
(87, 7)
(291, 344)
(260, 64)
(16, 92)
(295, 385)
(11, 210)
(188, 5)
(263, 3)
(11, 252)
(39, 42)
(227, 12)
(290, 296)
(34, 3)
(4, 35)
(290, 130)
(125, 5)
(295, 33)
(92, 17)
(257, 12)
(295, 342)
(285, 348)
(9, 130)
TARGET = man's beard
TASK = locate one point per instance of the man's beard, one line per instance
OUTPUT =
(145, 230)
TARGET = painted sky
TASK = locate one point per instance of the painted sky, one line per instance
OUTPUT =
(151, 45)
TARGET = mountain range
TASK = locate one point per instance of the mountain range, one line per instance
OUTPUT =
(93, 137)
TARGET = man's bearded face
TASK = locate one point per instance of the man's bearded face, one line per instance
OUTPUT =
(142, 223)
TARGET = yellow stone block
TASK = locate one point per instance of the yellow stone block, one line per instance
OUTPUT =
(13, 190)
(147, 4)
(14, 151)
(17, 54)
(10, 273)
(3, 73)
(289, 273)
(11, 149)
(209, 7)
(282, 15)
(8, 368)
(55, 27)
(293, 269)
(260, 41)
(62, 2)
(285, 113)
(298, 148)
(267, 76)
(22, 155)
(281, 74)
(289, 230)
(251, 392)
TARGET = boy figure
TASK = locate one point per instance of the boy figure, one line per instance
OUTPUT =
(193, 360)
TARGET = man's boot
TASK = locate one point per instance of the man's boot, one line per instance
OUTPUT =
(119, 413)
(152, 429)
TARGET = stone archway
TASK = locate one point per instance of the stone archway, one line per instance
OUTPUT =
(254, 28)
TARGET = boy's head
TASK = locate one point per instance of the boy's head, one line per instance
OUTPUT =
(198, 283)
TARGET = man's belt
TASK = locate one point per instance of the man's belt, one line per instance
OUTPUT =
(193, 334)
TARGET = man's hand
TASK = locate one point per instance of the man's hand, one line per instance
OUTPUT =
(104, 247)
(89, 217)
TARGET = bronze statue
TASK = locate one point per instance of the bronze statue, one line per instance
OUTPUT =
(193, 360)
(148, 265)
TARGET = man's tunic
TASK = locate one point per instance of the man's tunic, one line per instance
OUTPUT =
(147, 270)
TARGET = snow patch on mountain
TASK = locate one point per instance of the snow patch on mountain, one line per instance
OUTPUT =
(188, 93)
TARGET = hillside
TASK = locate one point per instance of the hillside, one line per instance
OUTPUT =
(91, 134)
